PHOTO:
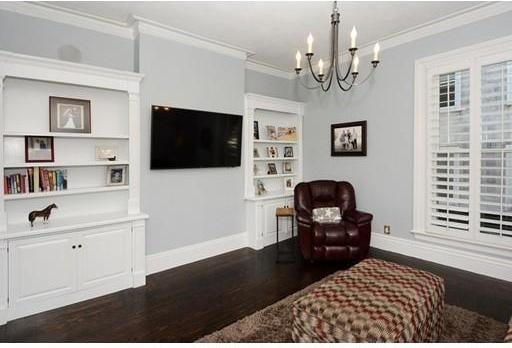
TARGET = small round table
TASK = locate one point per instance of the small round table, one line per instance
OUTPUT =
(285, 212)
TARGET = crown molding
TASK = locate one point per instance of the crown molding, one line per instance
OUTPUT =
(457, 19)
(66, 16)
(269, 70)
(146, 26)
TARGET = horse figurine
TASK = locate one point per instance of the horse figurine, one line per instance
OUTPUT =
(45, 214)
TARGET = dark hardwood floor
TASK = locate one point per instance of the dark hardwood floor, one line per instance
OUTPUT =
(188, 302)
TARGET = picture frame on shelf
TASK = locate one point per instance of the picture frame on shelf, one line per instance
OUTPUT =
(271, 132)
(289, 184)
(288, 151)
(256, 130)
(69, 115)
(348, 139)
(272, 152)
(39, 149)
(256, 153)
(260, 189)
(287, 133)
(116, 175)
(106, 153)
(287, 167)
(272, 169)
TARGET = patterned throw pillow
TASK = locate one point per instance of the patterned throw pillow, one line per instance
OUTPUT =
(508, 335)
(327, 215)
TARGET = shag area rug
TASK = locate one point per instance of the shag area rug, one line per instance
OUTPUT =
(273, 324)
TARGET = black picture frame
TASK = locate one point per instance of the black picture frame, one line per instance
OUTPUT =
(256, 130)
(70, 106)
(343, 145)
(48, 150)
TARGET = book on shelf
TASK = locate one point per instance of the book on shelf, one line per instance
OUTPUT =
(35, 179)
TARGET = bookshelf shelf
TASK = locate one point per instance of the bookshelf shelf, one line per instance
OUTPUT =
(65, 164)
(77, 191)
(66, 135)
(259, 141)
(271, 176)
(270, 159)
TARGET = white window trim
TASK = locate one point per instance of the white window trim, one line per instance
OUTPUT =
(472, 58)
(458, 95)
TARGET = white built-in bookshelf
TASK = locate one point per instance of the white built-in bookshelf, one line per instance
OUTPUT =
(98, 228)
(272, 113)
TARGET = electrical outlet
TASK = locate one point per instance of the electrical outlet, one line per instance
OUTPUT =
(387, 229)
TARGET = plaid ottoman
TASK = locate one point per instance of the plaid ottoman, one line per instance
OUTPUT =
(374, 301)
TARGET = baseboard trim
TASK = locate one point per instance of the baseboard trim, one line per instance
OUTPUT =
(191, 253)
(500, 268)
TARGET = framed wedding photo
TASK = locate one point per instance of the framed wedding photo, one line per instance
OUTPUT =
(39, 149)
(348, 139)
(116, 175)
(272, 169)
(69, 115)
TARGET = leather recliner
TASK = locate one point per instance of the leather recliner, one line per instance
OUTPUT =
(348, 240)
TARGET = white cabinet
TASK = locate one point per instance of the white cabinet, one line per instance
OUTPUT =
(261, 221)
(104, 256)
(41, 268)
(50, 271)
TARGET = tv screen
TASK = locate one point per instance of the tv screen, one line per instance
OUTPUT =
(183, 138)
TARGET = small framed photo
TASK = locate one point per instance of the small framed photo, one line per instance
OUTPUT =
(271, 132)
(272, 170)
(288, 151)
(116, 175)
(287, 133)
(287, 167)
(272, 152)
(256, 130)
(289, 184)
(348, 139)
(260, 188)
(106, 153)
(39, 149)
(256, 153)
(69, 115)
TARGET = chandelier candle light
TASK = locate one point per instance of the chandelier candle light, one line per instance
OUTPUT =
(333, 72)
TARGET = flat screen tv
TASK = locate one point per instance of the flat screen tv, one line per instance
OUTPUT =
(182, 138)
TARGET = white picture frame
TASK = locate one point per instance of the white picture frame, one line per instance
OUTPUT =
(116, 175)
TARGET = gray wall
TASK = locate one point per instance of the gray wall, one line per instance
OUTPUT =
(272, 86)
(384, 178)
(40, 37)
(188, 206)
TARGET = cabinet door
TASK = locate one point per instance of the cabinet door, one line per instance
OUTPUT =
(40, 268)
(104, 256)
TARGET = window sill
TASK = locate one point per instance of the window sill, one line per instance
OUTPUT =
(479, 246)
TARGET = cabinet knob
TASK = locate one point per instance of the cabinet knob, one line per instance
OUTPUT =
(74, 246)
(79, 245)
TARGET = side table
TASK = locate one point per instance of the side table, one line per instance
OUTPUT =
(285, 212)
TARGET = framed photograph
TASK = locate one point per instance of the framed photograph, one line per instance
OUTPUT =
(256, 153)
(272, 152)
(116, 175)
(106, 153)
(348, 139)
(260, 188)
(287, 133)
(70, 115)
(288, 151)
(271, 132)
(289, 184)
(272, 170)
(287, 167)
(39, 149)
(256, 130)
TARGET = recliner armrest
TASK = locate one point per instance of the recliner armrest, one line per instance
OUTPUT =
(304, 219)
(357, 217)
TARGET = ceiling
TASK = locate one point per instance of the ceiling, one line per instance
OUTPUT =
(275, 30)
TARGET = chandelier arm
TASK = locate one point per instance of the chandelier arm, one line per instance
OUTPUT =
(312, 72)
(363, 80)
(329, 85)
(304, 85)
(349, 69)
(343, 88)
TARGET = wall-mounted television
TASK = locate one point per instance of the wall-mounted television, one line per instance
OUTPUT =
(182, 138)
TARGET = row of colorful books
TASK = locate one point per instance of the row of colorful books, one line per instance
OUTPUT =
(36, 180)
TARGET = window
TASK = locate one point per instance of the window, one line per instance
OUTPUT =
(463, 145)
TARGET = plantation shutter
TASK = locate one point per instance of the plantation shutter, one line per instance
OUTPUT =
(496, 150)
(448, 137)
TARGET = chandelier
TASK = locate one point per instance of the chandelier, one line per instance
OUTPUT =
(345, 80)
